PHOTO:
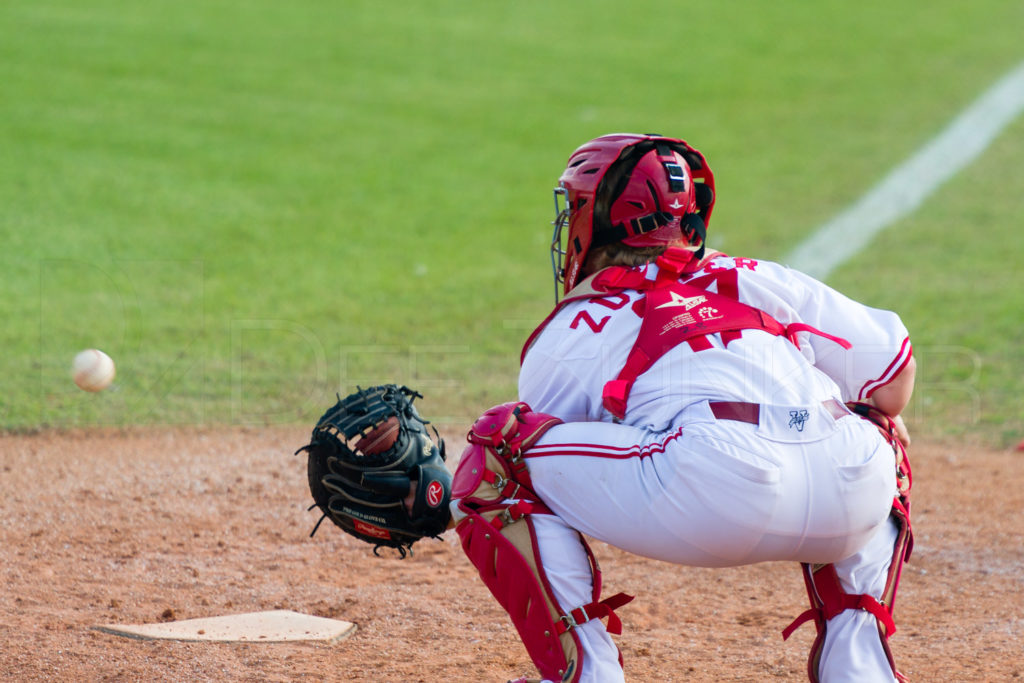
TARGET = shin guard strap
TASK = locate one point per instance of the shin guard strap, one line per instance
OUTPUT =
(513, 513)
(830, 599)
(595, 610)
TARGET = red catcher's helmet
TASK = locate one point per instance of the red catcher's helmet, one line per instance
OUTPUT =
(642, 190)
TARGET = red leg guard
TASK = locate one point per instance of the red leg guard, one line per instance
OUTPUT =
(508, 559)
(828, 598)
(495, 498)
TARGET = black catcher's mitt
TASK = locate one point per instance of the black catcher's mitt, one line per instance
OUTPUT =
(365, 454)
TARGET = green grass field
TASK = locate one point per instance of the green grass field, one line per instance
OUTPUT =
(252, 206)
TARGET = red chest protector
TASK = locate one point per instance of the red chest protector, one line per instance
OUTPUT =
(674, 313)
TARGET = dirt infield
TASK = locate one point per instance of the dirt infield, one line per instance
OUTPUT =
(140, 526)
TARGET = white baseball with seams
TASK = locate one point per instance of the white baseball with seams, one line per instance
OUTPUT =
(92, 370)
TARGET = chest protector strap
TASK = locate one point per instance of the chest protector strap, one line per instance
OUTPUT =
(674, 313)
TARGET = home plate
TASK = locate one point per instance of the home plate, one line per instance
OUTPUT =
(276, 626)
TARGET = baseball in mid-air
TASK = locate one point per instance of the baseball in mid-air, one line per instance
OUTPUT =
(92, 370)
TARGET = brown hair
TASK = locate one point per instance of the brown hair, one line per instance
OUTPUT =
(620, 254)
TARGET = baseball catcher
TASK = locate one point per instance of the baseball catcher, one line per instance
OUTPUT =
(696, 408)
(375, 472)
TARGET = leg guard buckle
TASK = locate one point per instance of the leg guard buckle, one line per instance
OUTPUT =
(828, 594)
(595, 610)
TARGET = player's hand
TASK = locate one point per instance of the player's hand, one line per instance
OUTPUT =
(901, 431)
(410, 499)
(899, 427)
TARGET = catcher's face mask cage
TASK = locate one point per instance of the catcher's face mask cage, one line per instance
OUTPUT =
(557, 249)
(643, 190)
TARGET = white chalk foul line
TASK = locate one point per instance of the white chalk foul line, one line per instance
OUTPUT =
(909, 184)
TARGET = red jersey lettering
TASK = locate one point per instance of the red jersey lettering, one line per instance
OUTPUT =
(614, 302)
(583, 316)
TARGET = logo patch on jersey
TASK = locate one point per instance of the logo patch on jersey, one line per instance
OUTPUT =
(798, 419)
(709, 313)
(687, 302)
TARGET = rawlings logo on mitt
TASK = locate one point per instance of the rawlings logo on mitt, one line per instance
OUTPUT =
(370, 452)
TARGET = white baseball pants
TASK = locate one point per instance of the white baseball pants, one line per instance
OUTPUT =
(720, 493)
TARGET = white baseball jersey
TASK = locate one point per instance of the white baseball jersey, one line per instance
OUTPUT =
(586, 343)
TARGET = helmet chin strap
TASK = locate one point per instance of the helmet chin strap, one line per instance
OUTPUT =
(693, 225)
(632, 228)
